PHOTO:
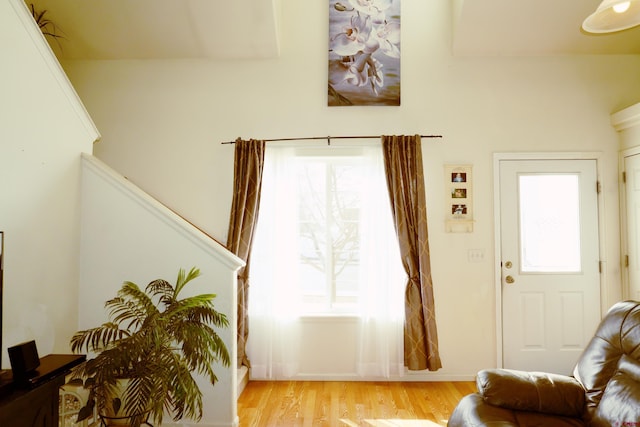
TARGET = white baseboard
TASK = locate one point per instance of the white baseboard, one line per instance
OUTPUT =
(243, 379)
(420, 376)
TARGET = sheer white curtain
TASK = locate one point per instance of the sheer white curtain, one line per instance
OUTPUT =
(274, 299)
(381, 314)
(274, 296)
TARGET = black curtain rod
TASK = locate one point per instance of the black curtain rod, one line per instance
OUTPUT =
(329, 138)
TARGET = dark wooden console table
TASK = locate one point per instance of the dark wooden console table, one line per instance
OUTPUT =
(34, 402)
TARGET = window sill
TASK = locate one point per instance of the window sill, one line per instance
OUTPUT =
(329, 317)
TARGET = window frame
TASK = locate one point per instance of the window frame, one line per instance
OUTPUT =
(328, 299)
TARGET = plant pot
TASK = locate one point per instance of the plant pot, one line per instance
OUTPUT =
(106, 421)
(110, 416)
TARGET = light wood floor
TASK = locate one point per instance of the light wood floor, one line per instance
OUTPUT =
(349, 404)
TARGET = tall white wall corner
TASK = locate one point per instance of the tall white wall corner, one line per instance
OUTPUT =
(43, 129)
(48, 58)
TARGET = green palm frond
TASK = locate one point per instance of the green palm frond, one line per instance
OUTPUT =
(96, 339)
(131, 303)
(162, 290)
(203, 337)
(183, 279)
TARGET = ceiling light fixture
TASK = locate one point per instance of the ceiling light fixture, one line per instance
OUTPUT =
(621, 7)
(613, 15)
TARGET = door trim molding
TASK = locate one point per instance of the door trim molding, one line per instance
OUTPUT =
(624, 240)
(497, 276)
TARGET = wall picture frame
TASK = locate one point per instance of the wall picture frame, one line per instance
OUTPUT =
(364, 53)
(458, 181)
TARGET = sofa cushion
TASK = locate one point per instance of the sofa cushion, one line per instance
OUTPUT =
(620, 403)
(532, 391)
(473, 411)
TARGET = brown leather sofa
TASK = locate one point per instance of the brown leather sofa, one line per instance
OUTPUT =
(603, 391)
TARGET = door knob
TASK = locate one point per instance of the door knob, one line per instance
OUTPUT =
(508, 264)
(509, 279)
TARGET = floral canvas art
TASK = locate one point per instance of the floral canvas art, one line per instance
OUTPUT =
(364, 52)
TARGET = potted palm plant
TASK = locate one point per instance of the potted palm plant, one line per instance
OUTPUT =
(146, 355)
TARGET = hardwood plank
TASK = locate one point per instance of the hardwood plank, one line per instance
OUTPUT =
(349, 404)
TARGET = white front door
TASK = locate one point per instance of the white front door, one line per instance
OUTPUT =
(549, 262)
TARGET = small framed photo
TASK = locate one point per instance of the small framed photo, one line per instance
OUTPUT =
(459, 209)
(459, 194)
(458, 177)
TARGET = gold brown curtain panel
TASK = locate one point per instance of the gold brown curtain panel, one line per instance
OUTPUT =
(405, 182)
(247, 184)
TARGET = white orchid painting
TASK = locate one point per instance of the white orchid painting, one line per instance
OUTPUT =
(364, 52)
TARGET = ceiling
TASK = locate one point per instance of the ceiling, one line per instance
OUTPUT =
(533, 27)
(217, 29)
(160, 29)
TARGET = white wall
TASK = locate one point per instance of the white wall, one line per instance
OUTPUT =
(163, 121)
(43, 130)
(127, 235)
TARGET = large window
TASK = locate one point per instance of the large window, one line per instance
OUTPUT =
(322, 209)
(329, 204)
(325, 246)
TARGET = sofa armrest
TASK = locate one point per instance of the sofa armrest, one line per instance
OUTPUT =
(532, 391)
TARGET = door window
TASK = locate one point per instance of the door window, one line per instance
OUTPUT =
(549, 223)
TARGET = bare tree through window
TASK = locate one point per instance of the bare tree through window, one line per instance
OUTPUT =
(329, 212)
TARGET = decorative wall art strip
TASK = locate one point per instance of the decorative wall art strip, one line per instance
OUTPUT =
(459, 193)
(364, 52)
